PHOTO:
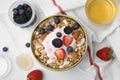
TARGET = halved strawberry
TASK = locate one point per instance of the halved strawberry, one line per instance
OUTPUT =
(67, 40)
(60, 53)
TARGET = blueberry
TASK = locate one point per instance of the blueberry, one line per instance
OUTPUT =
(21, 19)
(58, 34)
(50, 28)
(29, 17)
(75, 26)
(69, 49)
(18, 19)
(15, 11)
(41, 30)
(68, 30)
(25, 5)
(28, 11)
(56, 20)
(20, 6)
(27, 45)
(21, 11)
(57, 43)
(5, 49)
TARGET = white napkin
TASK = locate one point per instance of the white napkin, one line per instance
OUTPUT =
(114, 40)
(50, 9)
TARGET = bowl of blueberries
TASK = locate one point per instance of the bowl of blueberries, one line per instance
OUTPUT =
(22, 14)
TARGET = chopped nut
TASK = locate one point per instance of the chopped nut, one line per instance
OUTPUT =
(64, 64)
(52, 22)
(65, 22)
(73, 55)
(38, 46)
(42, 37)
(37, 53)
(76, 34)
(59, 62)
(43, 52)
(50, 61)
(76, 49)
(82, 41)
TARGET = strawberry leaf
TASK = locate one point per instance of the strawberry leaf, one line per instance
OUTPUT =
(28, 78)
(111, 53)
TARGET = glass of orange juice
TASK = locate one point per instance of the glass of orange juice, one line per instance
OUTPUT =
(101, 11)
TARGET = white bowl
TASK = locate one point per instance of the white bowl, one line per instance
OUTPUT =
(6, 66)
(14, 5)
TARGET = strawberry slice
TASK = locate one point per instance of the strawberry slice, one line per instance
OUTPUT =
(60, 53)
(67, 40)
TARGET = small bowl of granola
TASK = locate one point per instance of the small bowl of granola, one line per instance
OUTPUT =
(59, 42)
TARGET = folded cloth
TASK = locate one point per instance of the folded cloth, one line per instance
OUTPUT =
(50, 9)
(114, 40)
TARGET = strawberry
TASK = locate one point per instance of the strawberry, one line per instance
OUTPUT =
(105, 53)
(67, 40)
(35, 75)
(60, 53)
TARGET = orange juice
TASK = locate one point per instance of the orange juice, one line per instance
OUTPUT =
(101, 11)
